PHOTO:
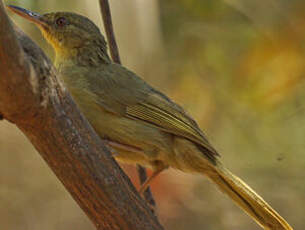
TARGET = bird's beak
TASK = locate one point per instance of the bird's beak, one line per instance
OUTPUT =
(29, 15)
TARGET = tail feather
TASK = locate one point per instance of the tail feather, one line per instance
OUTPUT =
(248, 200)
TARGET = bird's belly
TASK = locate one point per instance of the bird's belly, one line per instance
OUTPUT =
(152, 143)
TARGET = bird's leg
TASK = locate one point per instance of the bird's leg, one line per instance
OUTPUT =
(116, 145)
(158, 167)
(110, 148)
(151, 177)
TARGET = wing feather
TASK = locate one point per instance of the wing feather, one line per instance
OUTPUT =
(175, 122)
(125, 94)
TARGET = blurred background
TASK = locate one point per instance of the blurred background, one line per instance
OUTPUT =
(237, 66)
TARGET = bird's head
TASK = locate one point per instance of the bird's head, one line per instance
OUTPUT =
(67, 32)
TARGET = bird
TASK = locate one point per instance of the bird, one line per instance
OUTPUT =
(138, 122)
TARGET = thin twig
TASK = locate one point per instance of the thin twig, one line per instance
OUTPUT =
(114, 52)
(106, 14)
(147, 194)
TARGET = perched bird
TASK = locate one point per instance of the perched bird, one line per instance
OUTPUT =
(140, 123)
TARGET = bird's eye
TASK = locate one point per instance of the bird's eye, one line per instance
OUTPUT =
(61, 21)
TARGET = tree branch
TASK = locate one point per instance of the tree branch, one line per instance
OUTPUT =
(33, 99)
(114, 52)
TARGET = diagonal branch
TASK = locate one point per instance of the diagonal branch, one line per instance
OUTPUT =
(33, 99)
(114, 51)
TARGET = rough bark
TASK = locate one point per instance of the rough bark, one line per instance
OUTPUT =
(32, 98)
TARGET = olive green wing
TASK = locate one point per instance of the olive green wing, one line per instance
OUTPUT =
(128, 95)
(168, 116)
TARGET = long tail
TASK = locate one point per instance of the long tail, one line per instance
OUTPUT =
(247, 199)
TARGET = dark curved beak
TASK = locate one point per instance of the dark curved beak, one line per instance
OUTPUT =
(29, 15)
